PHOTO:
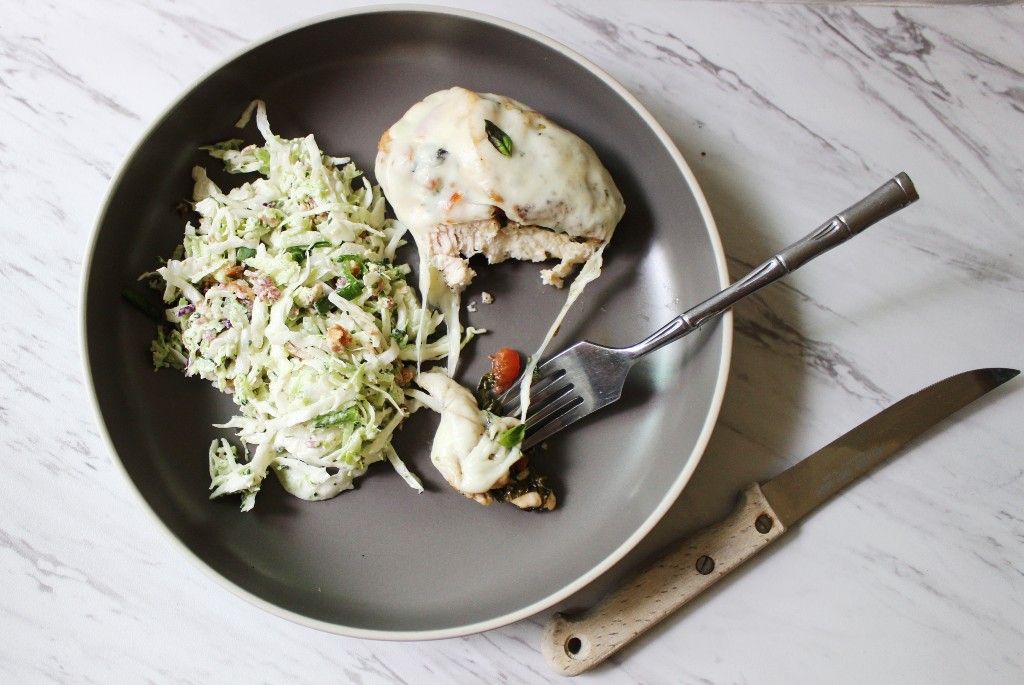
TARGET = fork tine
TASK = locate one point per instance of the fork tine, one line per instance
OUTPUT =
(556, 405)
(512, 403)
(558, 423)
(543, 375)
(549, 393)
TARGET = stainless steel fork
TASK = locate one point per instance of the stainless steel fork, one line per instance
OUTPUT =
(587, 376)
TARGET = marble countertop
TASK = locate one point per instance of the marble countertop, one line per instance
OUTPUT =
(786, 113)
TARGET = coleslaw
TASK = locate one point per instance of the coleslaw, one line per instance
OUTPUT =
(286, 294)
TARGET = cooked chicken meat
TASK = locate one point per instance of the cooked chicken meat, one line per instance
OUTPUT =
(449, 243)
(473, 173)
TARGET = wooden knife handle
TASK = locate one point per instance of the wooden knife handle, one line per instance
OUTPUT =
(574, 644)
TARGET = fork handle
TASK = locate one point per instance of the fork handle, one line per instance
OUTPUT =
(890, 197)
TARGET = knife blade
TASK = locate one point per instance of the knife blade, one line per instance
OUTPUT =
(574, 644)
(804, 486)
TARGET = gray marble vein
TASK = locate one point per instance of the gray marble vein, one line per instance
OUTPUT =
(787, 113)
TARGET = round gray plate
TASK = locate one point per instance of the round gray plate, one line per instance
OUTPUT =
(382, 561)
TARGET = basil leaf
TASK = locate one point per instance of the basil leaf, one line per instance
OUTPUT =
(297, 252)
(353, 285)
(346, 258)
(338, 418)
(243, 253)
(513, 436)
(351, 290)
(499, 139)
(485, 396)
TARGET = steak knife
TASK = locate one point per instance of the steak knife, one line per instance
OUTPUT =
(763, 512)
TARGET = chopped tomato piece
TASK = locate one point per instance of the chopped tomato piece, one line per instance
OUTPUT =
(453, 200)
(504, 369)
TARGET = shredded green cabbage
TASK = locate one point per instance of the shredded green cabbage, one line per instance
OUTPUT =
(287, 295)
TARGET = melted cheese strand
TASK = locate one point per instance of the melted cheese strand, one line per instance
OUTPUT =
(424, 279)
(590, 271)
(451, 320)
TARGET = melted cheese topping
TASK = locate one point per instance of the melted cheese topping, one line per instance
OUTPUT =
(465, 448)
(437, 166)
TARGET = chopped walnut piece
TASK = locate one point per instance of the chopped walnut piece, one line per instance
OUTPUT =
(404, 375)
(483, 498)
(339, 338)
(529, 500)
(234, 271)
(241, 289)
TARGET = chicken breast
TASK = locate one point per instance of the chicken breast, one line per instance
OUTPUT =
(473, 173)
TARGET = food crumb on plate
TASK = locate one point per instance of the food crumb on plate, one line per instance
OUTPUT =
(471, 307)
(486, 297)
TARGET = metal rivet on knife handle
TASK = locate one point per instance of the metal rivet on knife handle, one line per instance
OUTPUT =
(764, 523)
(705, 565)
